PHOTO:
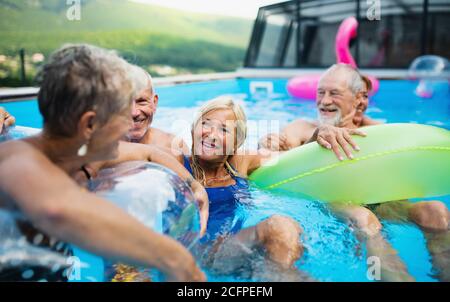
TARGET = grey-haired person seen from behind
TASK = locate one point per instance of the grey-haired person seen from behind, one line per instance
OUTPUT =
(85, 99)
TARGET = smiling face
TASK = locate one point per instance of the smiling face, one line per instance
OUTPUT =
(214, 135)
(364, 98)
(335, 101)
(362, 107)
(143, 109)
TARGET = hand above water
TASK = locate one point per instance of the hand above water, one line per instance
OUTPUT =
(179, 265)
(274, 142)
(334, 138)
(185, 270)
(6, 119)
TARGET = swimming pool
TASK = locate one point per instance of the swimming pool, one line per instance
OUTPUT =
(332, 251)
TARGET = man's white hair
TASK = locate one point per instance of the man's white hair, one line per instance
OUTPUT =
(353, 77)
(142, 79)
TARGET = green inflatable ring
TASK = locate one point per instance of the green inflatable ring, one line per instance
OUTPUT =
(396, 161)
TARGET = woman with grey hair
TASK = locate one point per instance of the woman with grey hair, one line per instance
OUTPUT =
(85, 100)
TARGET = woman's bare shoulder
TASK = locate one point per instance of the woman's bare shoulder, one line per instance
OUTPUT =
(22, 163)
(18, 148)
(370, 122)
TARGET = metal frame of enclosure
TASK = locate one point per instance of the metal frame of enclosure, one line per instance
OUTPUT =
(301, 33)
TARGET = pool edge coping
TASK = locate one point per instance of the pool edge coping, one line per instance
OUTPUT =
(25, 93)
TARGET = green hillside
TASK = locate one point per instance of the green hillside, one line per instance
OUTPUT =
(110, 15)
(146, 35)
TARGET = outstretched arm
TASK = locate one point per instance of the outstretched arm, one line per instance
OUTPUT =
(56, 205)
(274, 142)
(293, 135)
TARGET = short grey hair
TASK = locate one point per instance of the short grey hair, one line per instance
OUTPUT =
(353, 77)
(81, 78)
(142, 80)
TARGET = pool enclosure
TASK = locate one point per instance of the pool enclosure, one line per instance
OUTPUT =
(391, 33)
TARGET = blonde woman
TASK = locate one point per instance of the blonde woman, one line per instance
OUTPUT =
(218, 131)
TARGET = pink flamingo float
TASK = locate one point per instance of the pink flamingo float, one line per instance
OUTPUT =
(305, 86)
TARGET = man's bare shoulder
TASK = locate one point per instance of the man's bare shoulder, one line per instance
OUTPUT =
(168, 136)
(174, 144)
(299, 126)
(299, 131)
(302, 123)
(162, 138)
(130, 147)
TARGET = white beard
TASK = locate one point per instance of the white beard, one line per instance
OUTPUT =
(334, 121)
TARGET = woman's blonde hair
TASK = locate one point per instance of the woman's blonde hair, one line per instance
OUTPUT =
(223, 102)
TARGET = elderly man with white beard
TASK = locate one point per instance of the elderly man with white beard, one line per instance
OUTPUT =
(338, 97)
(340, 94)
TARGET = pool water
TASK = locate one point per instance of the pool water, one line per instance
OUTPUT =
(332, 252)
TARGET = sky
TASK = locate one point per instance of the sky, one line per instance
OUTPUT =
(237, 8)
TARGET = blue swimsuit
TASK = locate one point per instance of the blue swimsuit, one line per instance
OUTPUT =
(223, 205)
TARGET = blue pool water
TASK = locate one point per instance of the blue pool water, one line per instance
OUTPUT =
(332, 251)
